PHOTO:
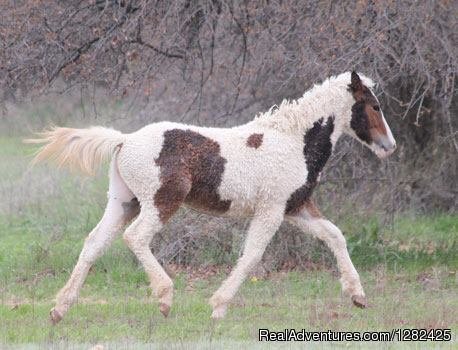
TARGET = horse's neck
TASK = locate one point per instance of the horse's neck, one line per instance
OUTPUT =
(296, 117)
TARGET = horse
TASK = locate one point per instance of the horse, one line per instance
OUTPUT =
(264, 170)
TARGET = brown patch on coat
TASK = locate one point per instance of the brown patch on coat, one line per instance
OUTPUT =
(377, 127)
(297, 199)
(312, 209)
(366, 116)
(317, 150)
(191, 172)
(254, 140)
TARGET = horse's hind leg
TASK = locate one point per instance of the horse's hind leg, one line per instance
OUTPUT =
(121, 208)
(140, 233)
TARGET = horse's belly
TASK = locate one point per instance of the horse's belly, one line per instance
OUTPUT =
(218, 207)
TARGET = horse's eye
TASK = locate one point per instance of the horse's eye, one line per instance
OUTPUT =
(376, 108)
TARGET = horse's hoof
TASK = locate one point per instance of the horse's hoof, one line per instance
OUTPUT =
(164, 309)
(55, 316)
(219, 312)
(359, 301)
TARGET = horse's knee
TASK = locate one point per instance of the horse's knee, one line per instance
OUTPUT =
(331, 234)
(130, 239)
(338, 239)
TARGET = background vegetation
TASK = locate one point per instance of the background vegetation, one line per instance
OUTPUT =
(128, 63)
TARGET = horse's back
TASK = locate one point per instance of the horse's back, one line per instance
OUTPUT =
(226, 171)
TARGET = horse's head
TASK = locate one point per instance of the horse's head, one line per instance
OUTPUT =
(367, 123)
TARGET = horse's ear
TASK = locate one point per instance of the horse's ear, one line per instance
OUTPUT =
(356, 83)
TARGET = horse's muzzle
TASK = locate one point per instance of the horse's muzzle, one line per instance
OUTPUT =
(384, 146)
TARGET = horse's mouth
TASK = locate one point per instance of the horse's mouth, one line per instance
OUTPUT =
(382, 151)
(383, 146)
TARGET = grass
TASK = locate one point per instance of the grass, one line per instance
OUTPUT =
(414, 242)
(409, 271)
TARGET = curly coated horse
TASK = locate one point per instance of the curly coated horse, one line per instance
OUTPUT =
(266, 170)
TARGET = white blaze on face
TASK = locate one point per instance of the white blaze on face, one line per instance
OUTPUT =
(391, 139)
(385, 144)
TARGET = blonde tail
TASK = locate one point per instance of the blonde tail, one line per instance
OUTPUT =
(82, 149)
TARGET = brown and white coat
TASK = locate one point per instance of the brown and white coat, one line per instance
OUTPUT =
(265, 170)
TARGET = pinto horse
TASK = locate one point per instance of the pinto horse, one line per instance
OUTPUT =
(266, 170)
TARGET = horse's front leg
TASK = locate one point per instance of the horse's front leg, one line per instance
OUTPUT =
(310, 220)
(262, 228)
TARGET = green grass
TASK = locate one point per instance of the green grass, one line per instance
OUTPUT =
(409, 271)
(414, 242)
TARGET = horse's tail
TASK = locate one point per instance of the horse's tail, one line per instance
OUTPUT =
(81, 149)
